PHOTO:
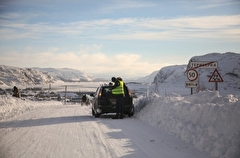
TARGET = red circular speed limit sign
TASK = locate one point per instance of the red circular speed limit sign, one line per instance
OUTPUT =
(192, 75)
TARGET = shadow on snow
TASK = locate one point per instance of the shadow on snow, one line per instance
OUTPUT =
(46, 121)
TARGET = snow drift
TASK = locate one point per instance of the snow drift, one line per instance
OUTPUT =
(11, 106)
(207, 120)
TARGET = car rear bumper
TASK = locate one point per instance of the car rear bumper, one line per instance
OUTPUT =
(112, 109)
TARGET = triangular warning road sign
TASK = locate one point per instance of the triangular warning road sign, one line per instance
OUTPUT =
(216, 77)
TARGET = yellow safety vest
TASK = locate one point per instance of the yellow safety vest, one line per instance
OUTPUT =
(119, 89)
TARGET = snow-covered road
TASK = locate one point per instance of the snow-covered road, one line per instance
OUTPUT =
(70, 131)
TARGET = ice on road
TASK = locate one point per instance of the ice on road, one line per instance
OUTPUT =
(70, 131)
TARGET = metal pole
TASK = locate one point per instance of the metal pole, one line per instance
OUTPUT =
(148, 92)
(216, 86)
(191, 91)
(65, 94)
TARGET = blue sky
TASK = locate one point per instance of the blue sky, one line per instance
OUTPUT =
(107, 38)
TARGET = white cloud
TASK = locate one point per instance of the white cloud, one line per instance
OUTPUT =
(126, 4)
(129, 28)
(217, 3)
(126, 65)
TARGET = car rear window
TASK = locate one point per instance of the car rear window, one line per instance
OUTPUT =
(107, 92)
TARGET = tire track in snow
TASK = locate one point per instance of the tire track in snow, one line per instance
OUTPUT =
(71, 131)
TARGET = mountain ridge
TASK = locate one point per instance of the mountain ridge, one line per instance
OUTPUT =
(11, 75)
(229, 68)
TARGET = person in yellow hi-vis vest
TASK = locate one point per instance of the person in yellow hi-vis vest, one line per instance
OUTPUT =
(118, 92)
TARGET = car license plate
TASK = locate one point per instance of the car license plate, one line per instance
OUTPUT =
(113, 101)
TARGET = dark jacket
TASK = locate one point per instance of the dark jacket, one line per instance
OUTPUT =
(16, 92)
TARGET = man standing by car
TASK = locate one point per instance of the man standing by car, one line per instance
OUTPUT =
(118, 92)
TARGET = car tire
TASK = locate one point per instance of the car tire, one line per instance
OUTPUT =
(97, 115)
(131, 113)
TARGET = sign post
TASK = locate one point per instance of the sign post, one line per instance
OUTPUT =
(216, 77)
(192, 74)
(191, 85)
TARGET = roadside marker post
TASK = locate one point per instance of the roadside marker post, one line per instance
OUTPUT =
(192, 73)
(65, 95)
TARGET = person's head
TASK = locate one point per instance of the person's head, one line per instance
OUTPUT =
(119, 78)
(114, 79)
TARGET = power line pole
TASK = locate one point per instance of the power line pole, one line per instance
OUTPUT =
(65, 95)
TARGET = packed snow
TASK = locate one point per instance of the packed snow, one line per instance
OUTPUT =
(70, 131)
(11, 106)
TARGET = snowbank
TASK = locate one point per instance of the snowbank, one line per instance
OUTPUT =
(208, 121)
(11, 106)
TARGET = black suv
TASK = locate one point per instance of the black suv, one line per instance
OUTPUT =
(104, 102)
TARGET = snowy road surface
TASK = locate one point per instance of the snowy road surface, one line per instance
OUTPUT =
(71, 131)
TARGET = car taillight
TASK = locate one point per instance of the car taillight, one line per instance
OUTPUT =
(129, 93)
(100, 93)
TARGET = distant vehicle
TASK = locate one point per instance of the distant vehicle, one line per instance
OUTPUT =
(104, 102)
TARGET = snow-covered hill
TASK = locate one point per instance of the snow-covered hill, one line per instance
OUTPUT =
(228, 67)
(172, 79)
(10, 76)
(148, 78)
(67, 74)
(170, 74)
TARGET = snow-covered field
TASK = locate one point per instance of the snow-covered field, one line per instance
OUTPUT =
(207, 120)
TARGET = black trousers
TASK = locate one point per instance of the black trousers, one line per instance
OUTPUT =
(119, 105)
